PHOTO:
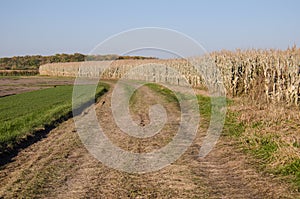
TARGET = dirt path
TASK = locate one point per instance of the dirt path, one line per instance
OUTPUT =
(60, 167)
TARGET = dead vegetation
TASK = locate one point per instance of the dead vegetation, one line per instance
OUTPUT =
(263, 75)
(272, 136)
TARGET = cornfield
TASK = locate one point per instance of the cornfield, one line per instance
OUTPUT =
(271, 74)
(268, 75)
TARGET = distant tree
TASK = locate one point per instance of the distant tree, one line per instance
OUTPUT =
(34, 61)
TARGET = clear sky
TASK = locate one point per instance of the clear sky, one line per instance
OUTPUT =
(67, 26)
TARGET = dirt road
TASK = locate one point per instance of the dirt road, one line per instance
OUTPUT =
(59, 166)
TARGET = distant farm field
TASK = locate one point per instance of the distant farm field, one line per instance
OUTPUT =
(23, 114)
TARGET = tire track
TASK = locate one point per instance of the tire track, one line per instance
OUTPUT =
(59, 166)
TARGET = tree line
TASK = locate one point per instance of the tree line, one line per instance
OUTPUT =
(33, 62)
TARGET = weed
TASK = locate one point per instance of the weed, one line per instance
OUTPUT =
(293, 169)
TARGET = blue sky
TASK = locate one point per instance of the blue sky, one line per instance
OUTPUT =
(57, 26)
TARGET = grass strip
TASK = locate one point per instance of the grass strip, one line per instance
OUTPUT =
(23, 114)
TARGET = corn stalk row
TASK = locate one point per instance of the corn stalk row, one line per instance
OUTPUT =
(267, 75)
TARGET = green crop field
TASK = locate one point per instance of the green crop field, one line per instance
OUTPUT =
(23, 114)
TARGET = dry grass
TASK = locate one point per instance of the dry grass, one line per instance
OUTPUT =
(272, 135)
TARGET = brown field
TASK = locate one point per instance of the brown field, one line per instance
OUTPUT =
(20, 84)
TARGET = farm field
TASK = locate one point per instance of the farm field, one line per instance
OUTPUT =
(150, 99)
(23, 114)
(10, 85)
(60, 166)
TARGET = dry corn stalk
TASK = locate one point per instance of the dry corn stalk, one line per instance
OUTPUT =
(269, 75)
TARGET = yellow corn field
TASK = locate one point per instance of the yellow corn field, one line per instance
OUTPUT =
(271, 74)
(265, 75)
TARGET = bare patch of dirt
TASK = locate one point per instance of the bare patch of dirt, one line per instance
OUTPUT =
(60, 167)
(22, 84)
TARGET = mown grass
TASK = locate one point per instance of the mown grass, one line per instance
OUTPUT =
(232, 127)
(23, 114)
(171, 96)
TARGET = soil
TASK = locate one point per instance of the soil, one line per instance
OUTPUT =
(59, 166)
(16, 85)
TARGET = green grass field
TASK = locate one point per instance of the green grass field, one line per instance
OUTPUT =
(23, 114)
